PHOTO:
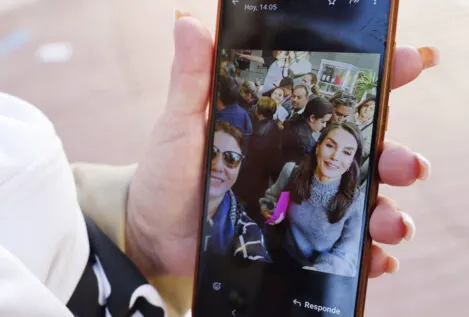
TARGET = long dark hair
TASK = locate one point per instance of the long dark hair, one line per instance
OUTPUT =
(317, 107)
(301, 180)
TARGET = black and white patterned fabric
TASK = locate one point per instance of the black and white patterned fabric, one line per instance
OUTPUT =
(248, 242)
(111, 285)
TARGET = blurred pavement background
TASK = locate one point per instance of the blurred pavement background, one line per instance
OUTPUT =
(112, 85)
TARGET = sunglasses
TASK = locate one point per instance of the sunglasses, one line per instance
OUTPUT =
(230, 159)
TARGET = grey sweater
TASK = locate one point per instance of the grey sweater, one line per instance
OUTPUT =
(309, 232)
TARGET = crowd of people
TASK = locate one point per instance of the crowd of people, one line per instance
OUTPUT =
(287, 167)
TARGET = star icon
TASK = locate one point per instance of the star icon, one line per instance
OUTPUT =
(331, 2)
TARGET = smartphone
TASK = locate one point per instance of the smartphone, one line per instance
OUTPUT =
(296, 123)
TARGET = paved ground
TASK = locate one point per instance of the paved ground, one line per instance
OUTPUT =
(104, 101)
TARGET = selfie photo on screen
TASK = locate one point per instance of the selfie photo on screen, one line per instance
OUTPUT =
(290, 151)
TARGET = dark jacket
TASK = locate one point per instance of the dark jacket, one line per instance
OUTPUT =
(297, 142)
(288, 105)
(258, 167)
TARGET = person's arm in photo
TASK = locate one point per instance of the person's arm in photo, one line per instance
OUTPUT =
(272, 194)
(273, 77)
(253, 58)
(342, 259)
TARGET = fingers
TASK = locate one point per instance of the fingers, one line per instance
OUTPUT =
(399, 166)
(389, 224)
(409, 62)
(192, 66)
(382, 263)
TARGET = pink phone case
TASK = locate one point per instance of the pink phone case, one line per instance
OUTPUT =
(281, 209)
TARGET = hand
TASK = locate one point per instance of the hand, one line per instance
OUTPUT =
(266, 213)
(165, 198)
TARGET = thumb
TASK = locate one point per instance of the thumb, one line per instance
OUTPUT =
(192, 67)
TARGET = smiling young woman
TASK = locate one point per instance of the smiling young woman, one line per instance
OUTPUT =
(325, 211)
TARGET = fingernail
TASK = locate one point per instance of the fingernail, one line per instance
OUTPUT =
(393, 265)
(410, 227)
(178, 14)
(430, 56)
(424, 167)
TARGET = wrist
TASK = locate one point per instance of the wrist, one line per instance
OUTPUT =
(162, 229)
(137, 246)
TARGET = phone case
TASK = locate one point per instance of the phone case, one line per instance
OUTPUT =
(377, 143)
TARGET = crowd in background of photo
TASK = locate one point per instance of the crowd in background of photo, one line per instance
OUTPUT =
(292, 140)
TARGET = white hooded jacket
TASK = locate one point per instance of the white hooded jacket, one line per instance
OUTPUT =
(52, 260)
(43, 239)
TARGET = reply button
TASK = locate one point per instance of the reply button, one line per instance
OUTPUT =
(317, 308)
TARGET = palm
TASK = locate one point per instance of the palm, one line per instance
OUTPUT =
(173, 206)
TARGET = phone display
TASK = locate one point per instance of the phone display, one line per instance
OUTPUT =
(298, 113)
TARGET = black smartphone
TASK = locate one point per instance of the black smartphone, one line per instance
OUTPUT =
(297, 119)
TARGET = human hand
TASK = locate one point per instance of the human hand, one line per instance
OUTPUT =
(266, 213)
(165, 197)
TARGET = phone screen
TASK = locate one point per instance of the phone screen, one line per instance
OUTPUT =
(290, 156)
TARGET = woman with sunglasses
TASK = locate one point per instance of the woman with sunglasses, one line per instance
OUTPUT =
(230, 229)
(325, 211)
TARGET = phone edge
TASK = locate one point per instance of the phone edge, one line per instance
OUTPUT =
(208, 139)
(378, 146)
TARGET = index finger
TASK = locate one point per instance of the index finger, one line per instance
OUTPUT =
(409, 62)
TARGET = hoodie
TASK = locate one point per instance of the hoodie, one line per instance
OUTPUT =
(42, 230)
(54, 260)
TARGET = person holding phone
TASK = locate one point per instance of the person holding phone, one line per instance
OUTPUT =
(131, 203)
(326, 209)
